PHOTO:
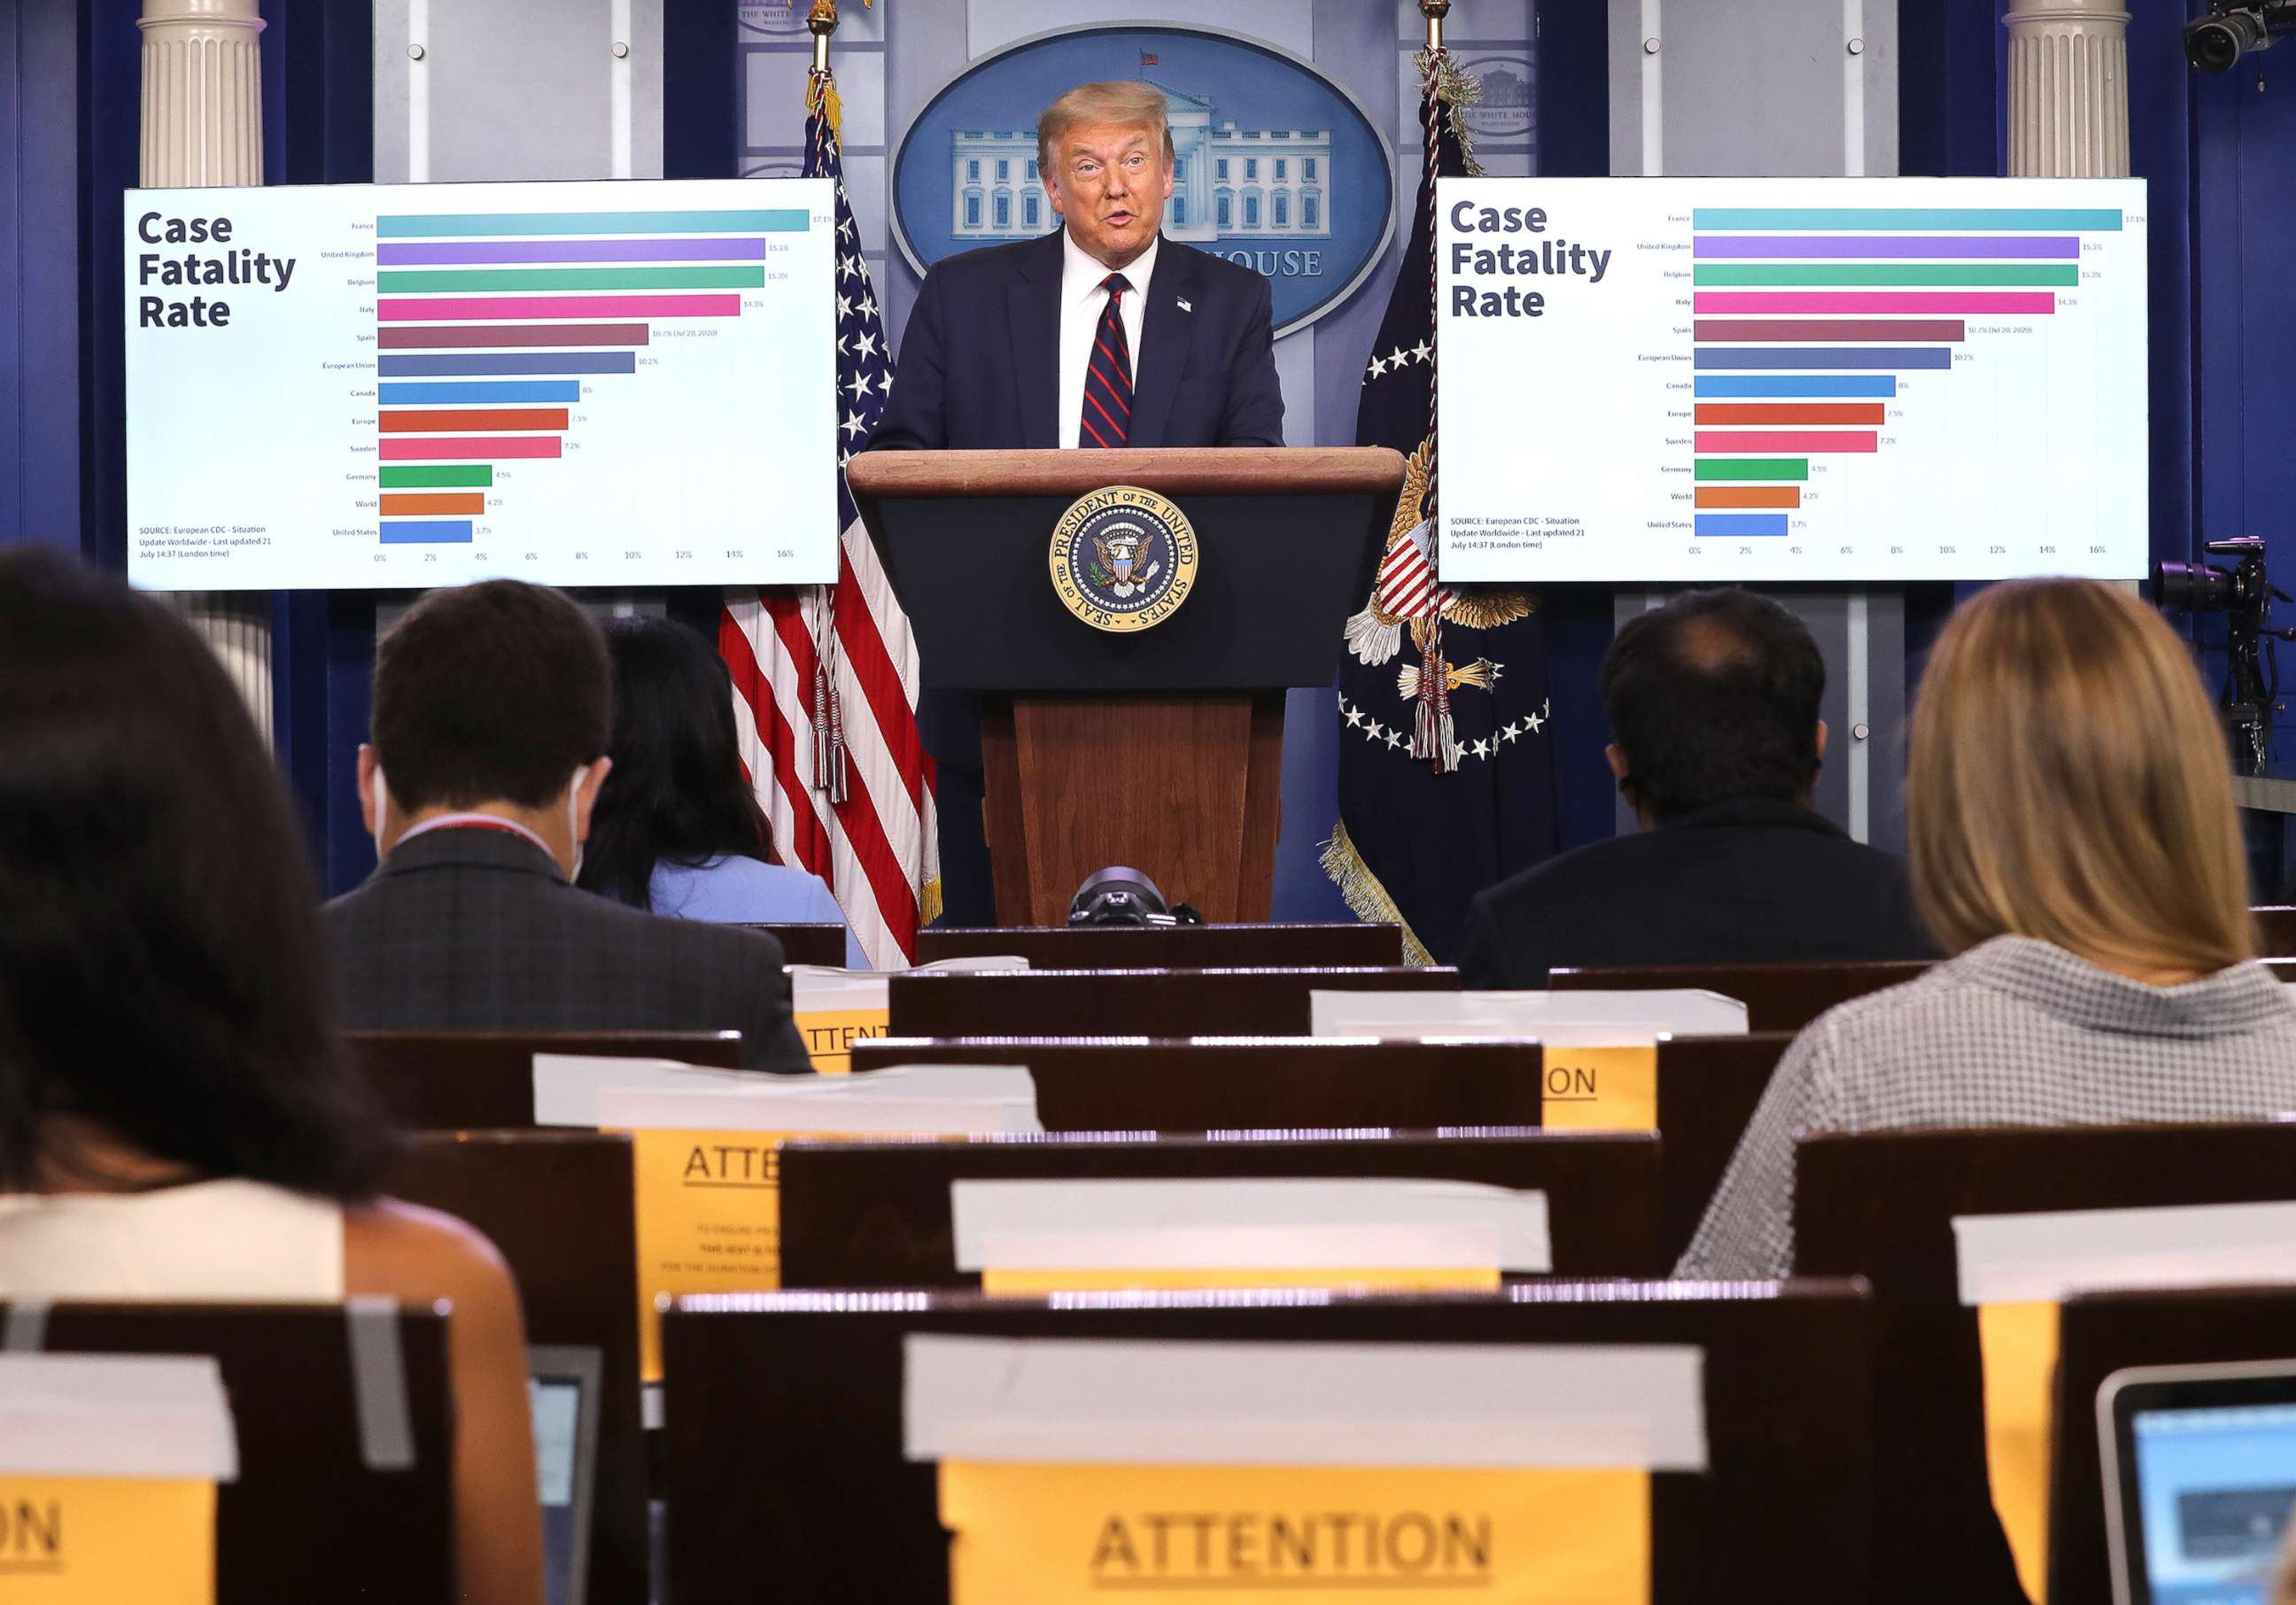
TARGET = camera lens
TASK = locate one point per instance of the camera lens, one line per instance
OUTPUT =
(2214, 44)
(2192, 588)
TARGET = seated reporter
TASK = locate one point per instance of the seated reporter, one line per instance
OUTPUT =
(678, 830)
(1713, 701)
(177, 1119)
(491, 714)
(2074, 846)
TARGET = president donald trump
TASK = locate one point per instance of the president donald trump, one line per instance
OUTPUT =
(1104, 334)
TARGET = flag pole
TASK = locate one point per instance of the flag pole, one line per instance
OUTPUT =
(821, 19)
(1434, 11)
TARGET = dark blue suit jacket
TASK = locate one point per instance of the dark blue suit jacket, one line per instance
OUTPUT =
(981, 363)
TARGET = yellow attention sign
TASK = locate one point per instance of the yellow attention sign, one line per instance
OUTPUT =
(107, 1541)
(709, 1220)
(830, 1034)
(2018, 1346)
(1049, 1535)
(1433, 1279)
(1598, 1089)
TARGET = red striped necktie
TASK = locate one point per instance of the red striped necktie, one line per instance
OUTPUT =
(1108, 375)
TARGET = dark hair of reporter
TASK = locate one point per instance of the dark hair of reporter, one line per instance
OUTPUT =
(491, 693)
(676, 792)
(162, 974)
(1714, 698)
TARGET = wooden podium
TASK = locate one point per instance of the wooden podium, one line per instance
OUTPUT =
(1161, 748)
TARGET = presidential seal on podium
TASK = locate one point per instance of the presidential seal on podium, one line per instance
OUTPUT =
(1123, 559)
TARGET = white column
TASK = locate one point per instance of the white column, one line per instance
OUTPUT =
(203, 126)
(2068, 89)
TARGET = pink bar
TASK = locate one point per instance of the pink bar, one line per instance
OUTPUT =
(399, 449)
(1980, 303)
(1788, 440)
(401, 309)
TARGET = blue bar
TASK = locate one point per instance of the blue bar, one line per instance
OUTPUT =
(791, 220)
(1739, 523)
(1788, 385)
(506, 362)
(427, 532)
(478, 395)
(1813, 356)
(1960, 219)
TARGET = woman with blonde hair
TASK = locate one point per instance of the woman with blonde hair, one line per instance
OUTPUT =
(2074, 848)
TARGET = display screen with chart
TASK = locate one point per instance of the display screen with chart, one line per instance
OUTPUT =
(1789, 379)
(398, 386)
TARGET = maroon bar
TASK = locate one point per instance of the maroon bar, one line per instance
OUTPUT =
(1902, 330)
(426, 337)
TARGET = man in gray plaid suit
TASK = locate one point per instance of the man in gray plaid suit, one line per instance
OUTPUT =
(492, 706)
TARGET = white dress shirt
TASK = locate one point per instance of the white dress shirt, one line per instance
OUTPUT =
(1082, 302)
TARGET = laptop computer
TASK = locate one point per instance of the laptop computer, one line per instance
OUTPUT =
(564, 1385)
(2200, 1476)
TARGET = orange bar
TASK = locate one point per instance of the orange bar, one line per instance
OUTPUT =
(394, 506)
(1791, 412)
(455, 420)
(1749, 496)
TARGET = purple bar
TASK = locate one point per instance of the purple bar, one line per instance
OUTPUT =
(430, 253)
(2066, 247)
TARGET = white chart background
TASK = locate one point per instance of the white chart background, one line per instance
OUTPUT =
(1567, 439)
(251, 448)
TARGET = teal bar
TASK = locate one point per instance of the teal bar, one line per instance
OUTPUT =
(1971, 219)
(791, 220)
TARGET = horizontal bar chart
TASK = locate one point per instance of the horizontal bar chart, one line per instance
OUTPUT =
(1957, 219)
(400, 506)
(506, 362)
(1990, 276)
(475, 476)
(474, 307)
(1896, 357)
(777, 221)
(420, 448)
(1749, 496)
(1751, 467)
(1965, 303)
(447, 280)
(416, 393)
(434, 254)
(2056, 248)
(444, 420)
(1947, 332)
(429, 532)
(1797, 384)
(1739, 523)
(1788, 440)
(1789, 412)
(412, 338)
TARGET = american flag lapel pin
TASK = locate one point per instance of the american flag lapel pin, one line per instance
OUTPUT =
(1183, 303)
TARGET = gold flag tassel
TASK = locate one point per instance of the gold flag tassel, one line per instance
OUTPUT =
(1364, 896)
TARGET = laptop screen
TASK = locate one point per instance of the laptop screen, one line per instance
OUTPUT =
(2214, 1487)
(563, 1390)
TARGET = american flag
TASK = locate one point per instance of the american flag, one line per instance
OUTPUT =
(826, 676)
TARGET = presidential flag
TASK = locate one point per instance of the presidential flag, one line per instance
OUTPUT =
(1446, 775)
(826, 676)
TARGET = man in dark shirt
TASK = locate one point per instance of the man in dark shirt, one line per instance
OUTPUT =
(492, 706)
(1715, 741)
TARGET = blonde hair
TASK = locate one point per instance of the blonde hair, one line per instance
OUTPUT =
(1126, 104)
(2069, 781)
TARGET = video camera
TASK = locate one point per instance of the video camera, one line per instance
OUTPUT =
(2233, 28)
(2244, 593)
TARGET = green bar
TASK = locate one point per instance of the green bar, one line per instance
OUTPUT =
(792, 220)
(451, 476)
(486, 279)
(1892, 219)
(1753, 468)
(2067, 277)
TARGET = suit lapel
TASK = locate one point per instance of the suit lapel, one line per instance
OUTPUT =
(1033, 310)
(1165, 333)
